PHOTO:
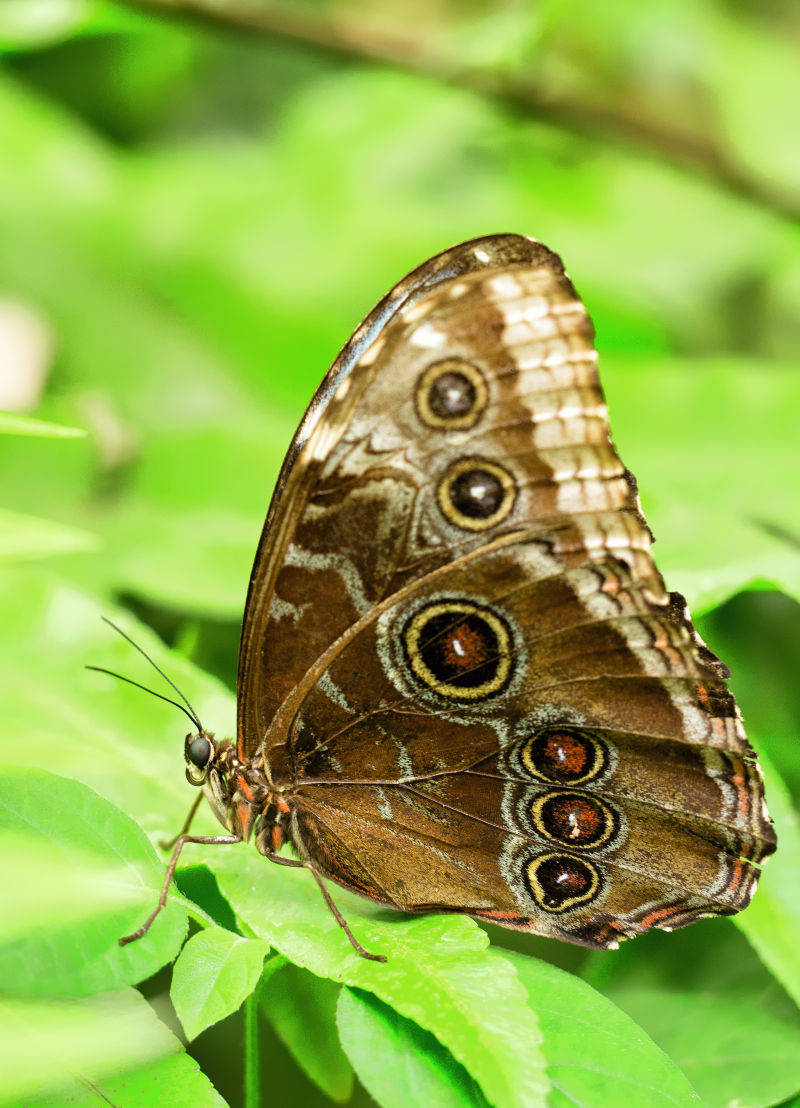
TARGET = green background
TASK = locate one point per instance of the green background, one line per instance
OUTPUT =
(198, 202)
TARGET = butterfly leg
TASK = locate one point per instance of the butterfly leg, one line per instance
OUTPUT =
(337, 915)
(180, 842)
(187, 823)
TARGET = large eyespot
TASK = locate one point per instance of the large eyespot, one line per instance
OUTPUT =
(476, 494)
(564, 757)
(559, 882)
(574, 819)
(459, 649)
(199, 751)
(451, 395)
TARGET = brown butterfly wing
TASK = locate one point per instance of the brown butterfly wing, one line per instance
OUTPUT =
(477, 687)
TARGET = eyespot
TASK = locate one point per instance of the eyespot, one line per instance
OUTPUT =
(560, 882)
(564, 757)
(476, 494)
(574, 819)
(451, 395)
(459, 649)
(199, 751)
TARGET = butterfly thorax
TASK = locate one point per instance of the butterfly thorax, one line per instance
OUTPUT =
(245, 801)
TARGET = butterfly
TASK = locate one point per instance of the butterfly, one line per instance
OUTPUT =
(463, 686)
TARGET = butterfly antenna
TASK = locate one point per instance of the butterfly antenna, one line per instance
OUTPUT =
(191, 713)
(144, 688)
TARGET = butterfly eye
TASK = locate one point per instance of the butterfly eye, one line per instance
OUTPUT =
(199, 752)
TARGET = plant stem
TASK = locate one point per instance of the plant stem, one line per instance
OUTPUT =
(252, 1068)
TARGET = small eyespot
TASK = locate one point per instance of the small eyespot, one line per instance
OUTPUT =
(451, 395)
(560, 882)
(199, 751)
(476, 494)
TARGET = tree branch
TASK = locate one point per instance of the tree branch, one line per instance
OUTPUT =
(611, 123)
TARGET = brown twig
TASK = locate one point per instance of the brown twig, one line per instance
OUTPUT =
(399, 47)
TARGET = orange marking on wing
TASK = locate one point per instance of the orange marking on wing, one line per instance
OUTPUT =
(702, 693)
(718, 725)
(500, 915)
(737, 873)
(658, 915)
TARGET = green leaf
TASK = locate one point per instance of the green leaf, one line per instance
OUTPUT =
(705, 998)
(596, 1055)
(772, 921)
(439, 973)
(64, 955)
(64, 1047)
(302, 1010)
(24, 536)
(214, 973)
(173, 1082)
(34, 878)
(13, 424)
(397, 1062)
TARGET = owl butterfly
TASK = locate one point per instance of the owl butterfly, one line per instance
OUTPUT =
(462, 684)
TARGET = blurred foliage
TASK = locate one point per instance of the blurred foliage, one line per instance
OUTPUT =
(198, 201)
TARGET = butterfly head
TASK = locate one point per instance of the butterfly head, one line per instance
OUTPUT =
(200, 752)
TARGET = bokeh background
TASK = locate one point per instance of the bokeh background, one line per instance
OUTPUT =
(199, 200)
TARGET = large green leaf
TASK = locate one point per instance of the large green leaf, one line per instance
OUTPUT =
(709, 1003)
(59, 956)
(398, 1062)
(596, 1054)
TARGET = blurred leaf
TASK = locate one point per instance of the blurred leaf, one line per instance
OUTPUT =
(28, 23)
(772, 921)
(69, 1045)
(595, 1053)
(173, 1082)
(28, 537)
(707, 1001)
(230, 270)
(215, 972)
(58, 958)
(399, 1063)
(707, 443)
(302, 1010)
(126, 745)
(758, 636)
(13, 424)
(34, 879)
